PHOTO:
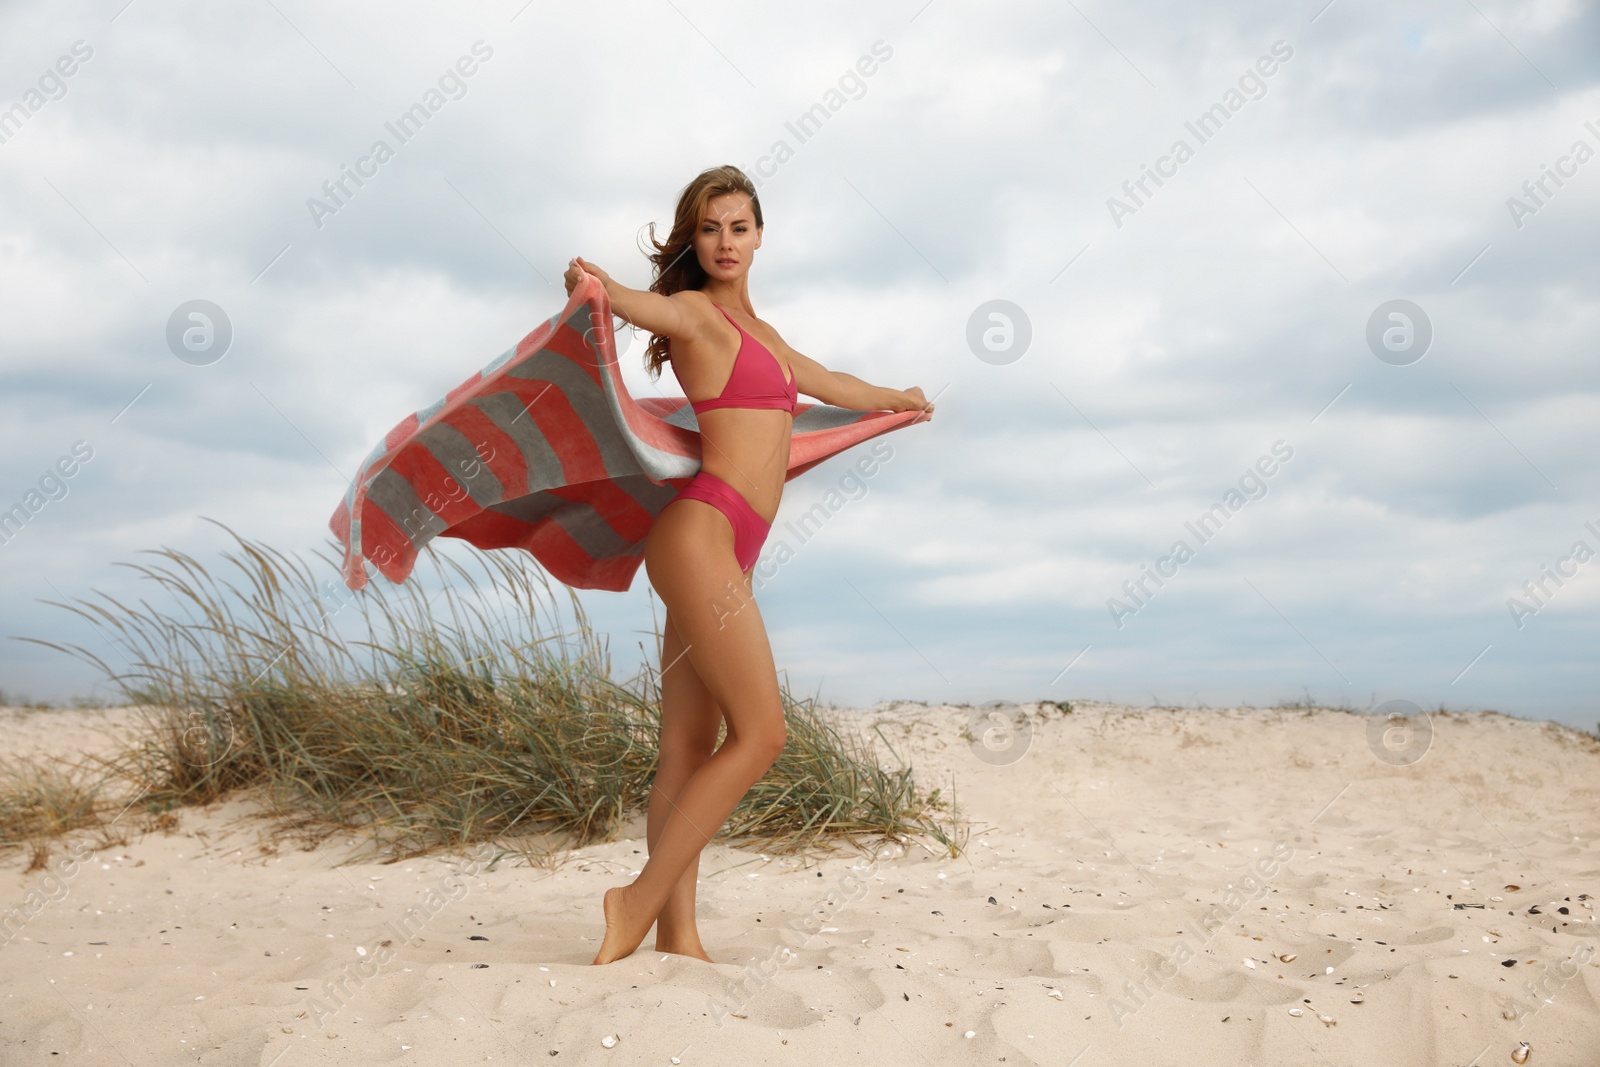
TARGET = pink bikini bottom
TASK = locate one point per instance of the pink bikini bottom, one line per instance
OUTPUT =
(749, 529)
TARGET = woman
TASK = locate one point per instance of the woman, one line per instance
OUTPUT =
(716, 664)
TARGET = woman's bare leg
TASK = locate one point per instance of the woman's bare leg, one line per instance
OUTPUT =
(689, 722)
(689, 557)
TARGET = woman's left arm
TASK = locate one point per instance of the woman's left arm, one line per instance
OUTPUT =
(847, 391)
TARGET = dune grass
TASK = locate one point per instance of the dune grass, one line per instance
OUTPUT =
(436, 713)
(41, 801)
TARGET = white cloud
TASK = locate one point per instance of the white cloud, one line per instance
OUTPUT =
(975, 166)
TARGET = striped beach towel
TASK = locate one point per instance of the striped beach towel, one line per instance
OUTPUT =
(544, 450)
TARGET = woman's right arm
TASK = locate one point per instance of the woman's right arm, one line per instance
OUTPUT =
(666, 316)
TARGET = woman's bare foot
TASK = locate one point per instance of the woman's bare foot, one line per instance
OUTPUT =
(683, 948)
(676, 931)
(624, 929)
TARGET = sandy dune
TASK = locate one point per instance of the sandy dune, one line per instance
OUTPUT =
(1143, 886)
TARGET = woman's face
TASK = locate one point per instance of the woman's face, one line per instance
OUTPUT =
(728, 237)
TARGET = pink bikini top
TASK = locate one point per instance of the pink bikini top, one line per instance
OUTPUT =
(754, 383)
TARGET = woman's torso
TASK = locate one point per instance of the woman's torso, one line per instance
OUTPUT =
(746, 447)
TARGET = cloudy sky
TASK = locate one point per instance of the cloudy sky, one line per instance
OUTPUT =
(1200, 217)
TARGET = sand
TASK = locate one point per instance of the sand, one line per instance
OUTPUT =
(1142, 886)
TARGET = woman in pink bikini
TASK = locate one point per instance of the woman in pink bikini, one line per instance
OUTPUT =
(716, 663)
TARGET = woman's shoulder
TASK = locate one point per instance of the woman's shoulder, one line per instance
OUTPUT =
(694, 299)
(702, 321)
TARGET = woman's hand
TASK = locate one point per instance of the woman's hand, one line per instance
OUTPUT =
(573, 275)
(909, 400)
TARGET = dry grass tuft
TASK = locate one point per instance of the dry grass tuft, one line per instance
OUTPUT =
(430, 719)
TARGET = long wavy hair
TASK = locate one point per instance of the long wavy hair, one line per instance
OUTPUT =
(676, 268)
